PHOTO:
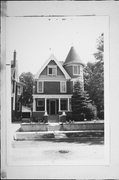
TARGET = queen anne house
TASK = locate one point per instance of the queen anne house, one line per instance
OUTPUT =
(53, 86)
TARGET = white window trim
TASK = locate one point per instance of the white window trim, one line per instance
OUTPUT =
(38, 87)
(51, 66)
(37, 102)
(61, 87)
(40, 106)
(73, 70)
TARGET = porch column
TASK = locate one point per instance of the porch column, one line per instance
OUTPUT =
(45, 104)
(68, 105)
(34, 104)
(59, 105)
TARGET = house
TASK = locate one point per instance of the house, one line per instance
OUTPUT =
(16, 91)
(53, 86)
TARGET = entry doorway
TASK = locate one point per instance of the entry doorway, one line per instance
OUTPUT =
(52, 107)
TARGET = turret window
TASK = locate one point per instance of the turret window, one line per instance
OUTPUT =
(76, 70)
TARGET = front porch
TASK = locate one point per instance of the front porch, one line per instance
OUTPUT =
(51, 105)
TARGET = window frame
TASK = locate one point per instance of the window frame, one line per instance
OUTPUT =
(19, 90)
(38, 86)
(18, 107)
(38, 106)
(51, 66)
(61, 89)
(78, 69)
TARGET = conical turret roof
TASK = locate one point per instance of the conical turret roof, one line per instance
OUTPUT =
(72, 57)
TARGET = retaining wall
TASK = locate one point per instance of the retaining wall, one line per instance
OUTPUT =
(91, 125)
(75, 126)
(28, 127)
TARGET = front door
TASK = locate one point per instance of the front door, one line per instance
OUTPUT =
(52, 107)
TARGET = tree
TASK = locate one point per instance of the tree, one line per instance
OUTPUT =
(94, 78)
(80, 104)
(27, 79)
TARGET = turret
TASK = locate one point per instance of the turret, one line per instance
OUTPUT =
(74, 66)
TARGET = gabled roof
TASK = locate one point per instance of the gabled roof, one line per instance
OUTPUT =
(72, 57)
(52, 57)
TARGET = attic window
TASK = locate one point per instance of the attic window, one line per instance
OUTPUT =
(52, 70)
(76, 70)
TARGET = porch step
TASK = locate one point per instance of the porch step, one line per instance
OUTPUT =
(53, 118)
(53, 127)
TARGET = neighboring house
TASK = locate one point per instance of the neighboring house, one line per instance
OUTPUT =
(16, 91)
(53, 86)
(26, 114)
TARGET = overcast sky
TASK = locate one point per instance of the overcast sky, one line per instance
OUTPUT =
(35, 38)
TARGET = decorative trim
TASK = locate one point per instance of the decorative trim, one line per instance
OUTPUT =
(72, 63)
(49, 78)
(50, 96)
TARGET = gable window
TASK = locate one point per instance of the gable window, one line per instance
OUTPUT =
(62, 86)
(63, 104)
(40, 105)
(52, 70)
(40, 86)
(76, 70)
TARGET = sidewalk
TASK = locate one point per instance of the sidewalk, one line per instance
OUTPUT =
(58, 150)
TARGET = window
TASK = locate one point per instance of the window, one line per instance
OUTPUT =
(18, 107)
(40, 105)
(63, 87)
(70, 107)
(40, 86)
(76, 70)
(52, 70)
(63, 104)
(18, 90)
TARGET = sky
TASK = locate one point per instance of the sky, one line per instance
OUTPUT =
(36, 38)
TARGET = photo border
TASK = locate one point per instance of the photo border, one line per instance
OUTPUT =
(4, 124)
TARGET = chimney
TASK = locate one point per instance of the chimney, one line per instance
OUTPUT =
(14, 58)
